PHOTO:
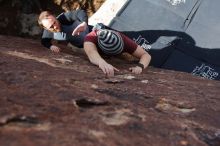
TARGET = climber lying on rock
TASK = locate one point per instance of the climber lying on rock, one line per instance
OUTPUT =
(105, 41)
(72, 27)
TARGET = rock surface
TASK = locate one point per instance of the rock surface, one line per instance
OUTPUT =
(61, 99)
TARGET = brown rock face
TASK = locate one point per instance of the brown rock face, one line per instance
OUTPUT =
(61, 99)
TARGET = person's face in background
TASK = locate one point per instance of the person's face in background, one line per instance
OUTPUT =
(51, 24)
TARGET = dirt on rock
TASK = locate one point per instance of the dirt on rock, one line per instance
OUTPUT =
(49, 99)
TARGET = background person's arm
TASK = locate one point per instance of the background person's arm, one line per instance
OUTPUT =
(95, 58)
(80, 28)
(83, 18)
(72, 16)
(46, 41)
(82, 15)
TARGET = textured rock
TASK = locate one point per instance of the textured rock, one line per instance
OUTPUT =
(29, 24)
(61, 99)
